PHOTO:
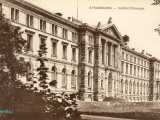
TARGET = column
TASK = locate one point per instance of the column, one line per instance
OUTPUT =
(106, 53)
(103, 51)
(114, 55)
(109, 53)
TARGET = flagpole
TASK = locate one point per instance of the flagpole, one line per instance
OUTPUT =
(77, 9)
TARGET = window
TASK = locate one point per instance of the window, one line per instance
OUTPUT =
(90, 56)
(122, 67)
(65, 33)
(138, 61)
(126, 56)
(17, 15)
(121, 85)
(126, 87)
(73, 54)
(144, 73)
(54, 29)
(137, 88)
(134, 69)
(54, 48)
(130, 69)
(134, 87)
(102, 81)
(54, 76)
(138, 71)
(90, 39)
(42, 40)
(29, 42)
(64, 51)
(130, 87)
(145, 63)
(64, 78)
(29, 20)
(126, 68)
(131, 58)
(89, 80)
(122, 55)
(74, 36)
(29, 72)
(134, 59)
(14, 14)
(43, 25)
(141, 72)
(73, 80)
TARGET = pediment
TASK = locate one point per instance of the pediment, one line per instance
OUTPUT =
(112, 30)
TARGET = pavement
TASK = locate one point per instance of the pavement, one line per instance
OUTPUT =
(93, 117)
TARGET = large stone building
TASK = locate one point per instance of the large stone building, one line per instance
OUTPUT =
(95, 61)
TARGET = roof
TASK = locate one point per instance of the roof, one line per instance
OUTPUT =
(135, 52)
(55, 17)
(43, 12)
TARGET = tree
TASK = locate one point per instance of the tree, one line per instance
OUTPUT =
(22, 98)
(156, 2)
(42, 69)
(11, 43)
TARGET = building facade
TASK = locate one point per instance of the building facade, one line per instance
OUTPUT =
(94, 61)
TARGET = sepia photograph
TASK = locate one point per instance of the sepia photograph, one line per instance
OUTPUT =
(79, 60)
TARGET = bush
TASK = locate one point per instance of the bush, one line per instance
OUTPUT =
(111, 99)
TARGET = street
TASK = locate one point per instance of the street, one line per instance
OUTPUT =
(92, 117)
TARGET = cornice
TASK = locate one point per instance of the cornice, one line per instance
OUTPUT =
(135, 52)
(43, 12)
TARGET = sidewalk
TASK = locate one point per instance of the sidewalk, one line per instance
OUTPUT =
(92, 117)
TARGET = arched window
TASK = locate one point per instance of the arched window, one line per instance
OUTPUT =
(121, 85)
(144, 88)
(137, 87)
(134, 87)
(126, 87)
(73, 79)
(64, 78)
(141, 86)
(89, 80)
(130, 87)
(110, 79)
(54, 76)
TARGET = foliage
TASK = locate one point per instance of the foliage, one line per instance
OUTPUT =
(42, 69)
(156, 2)
(24, 98)
(11, 43)
(112, 99)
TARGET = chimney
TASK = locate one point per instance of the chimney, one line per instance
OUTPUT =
(133, 49)
(142, 52)
(69, 18)
(59, 14)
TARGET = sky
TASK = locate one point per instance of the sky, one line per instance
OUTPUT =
(135, 18)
